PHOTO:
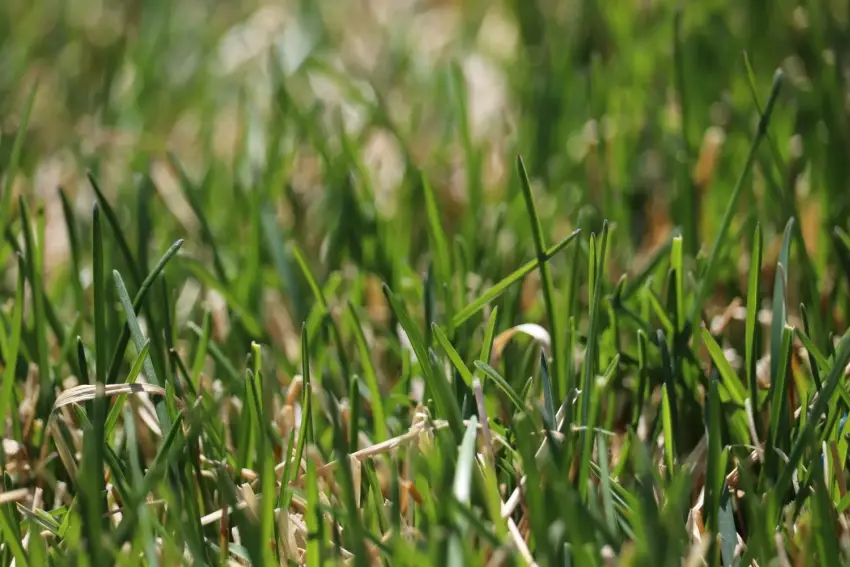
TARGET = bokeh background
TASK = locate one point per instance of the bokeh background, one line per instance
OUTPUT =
(327, 112)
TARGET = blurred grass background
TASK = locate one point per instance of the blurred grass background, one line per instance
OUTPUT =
(241, 125)
(627, 109)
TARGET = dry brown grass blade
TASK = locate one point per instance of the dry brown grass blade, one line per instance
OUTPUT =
(86, 392)
(14, 495)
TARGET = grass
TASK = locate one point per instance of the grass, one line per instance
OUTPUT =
(328, 284)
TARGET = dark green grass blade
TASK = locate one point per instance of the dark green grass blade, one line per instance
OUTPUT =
(453, 355)
(71, 226)
(35, 264)
(778, 403)
(545, 272)
(117, 231)
(376, 397)
(443, 397)
(139, 341)
(11, 354)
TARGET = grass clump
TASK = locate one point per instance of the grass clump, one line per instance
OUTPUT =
(283, 288)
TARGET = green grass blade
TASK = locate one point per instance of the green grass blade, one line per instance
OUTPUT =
(727, 373)
(118, 354)
(751, 326)
(450, 351)
(443, 397)
(498, 289)
(15, 159)
(545, 272)
(708, 275)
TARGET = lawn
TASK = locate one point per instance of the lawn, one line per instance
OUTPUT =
(424, 282)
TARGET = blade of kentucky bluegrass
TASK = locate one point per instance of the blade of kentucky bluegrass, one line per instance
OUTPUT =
(118, 354)
(35, 264)
(118, 406)
(751, 327)
(443, 397)
(462, 490)
(450, 351)
(805, 437)
(706, 280)
(513, 396)
(605, 482)
(715, 465)
(545, 272)
(189, 192)
(437, 236)
(677, 264)
(11, 356)
(823, 519)
(74, 249)
(814, 363)
(305, 429)
(321, 300)
(548, 397)
(313, 518)
(201, 353)
(15, 159)
(137, 477)
(197, 269)
(117, 232)
(777, 431)
(265, 455)
(375, 395)
(588, 395)
(139, 341)
(283, 263)
(667, 429)
(498, 289)
(727, 373)
(780, 309)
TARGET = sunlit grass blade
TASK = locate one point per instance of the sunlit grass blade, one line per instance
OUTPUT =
(730, 379)
(462, 489)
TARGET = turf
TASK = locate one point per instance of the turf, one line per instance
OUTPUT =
(426, 283)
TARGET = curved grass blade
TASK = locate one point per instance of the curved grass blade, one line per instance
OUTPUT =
(15, 159)
(117, 232)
